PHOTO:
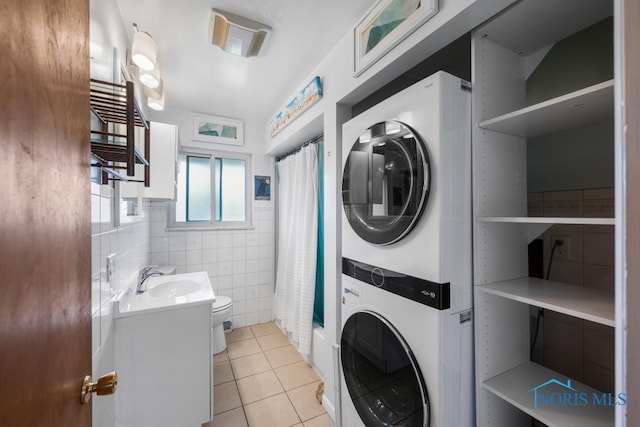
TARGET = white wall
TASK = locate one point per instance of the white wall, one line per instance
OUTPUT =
(130, 241)
(341, 90)
(240, 263)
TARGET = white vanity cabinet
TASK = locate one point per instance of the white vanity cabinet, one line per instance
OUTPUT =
(164, 145)
(163, 359)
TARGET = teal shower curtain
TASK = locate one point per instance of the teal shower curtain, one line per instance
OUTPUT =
(318, 303)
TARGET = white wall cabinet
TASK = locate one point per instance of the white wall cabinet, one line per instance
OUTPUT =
(505, 50)
(164, 145)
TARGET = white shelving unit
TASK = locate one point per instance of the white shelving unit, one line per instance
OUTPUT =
(507, 386)
(504, 51)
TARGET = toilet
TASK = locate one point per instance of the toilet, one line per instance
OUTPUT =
(221, 311)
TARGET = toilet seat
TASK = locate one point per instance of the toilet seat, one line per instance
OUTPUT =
(221, 303)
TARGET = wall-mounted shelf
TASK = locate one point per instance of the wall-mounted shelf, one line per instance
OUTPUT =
(115, 104)
(581, 107)
(515, 386)
(578, 301)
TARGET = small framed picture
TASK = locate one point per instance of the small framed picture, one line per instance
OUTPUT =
(386, 24)
(218, 130)
(262, 187)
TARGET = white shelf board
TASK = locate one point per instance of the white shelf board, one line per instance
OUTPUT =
(547, 220)
(585, 303)
(515, 386)
(564, 112)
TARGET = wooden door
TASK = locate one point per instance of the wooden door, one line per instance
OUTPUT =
(45, 261)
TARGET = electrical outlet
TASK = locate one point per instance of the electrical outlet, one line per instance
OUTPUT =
(563, 246)
(111, 268)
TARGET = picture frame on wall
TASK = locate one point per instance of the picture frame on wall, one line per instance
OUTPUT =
(262, 188)
(386, 24)
(218, 130)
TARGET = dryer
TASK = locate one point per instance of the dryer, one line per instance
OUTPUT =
(406, 342)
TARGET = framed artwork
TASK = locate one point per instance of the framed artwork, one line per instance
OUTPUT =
(219, 130)
(301, 102)
(385, 25)
(262, 187)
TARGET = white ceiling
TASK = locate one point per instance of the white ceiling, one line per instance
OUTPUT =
(200, 77)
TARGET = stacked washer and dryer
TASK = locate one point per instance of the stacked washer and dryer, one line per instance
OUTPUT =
(406, 345)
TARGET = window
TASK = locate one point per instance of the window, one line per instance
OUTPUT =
(212, 190)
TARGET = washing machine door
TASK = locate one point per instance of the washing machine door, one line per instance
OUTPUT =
(385, 183)
(382, 376)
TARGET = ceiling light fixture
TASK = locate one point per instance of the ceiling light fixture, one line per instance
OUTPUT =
(151, 78)
(155, 97)
(235, 34)
(143, 50)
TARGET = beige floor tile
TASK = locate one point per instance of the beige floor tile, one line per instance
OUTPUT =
(265, 329)
(239, 335)
(226, 397)
(233, 418)
(243, 348)
(275, 411)
(222, 373)
(322, 421)
(304, 401)
(221, 357)
(269, 342)
(257, 387)
(249, 365)
(283, 356)
(296, 375)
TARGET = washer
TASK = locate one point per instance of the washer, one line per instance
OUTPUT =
(406, 342)
(406, 185)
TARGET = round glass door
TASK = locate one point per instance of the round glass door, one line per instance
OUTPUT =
(381, 374)
(385, 184)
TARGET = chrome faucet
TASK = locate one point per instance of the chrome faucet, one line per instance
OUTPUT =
(144, 274)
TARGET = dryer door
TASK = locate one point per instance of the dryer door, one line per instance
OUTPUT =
(385, 184)
(382, 376)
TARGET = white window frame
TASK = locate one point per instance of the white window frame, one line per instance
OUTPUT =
(213, 224)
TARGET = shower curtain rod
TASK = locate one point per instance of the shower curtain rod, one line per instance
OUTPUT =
(313, 140)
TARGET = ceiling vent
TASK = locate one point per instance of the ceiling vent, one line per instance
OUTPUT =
(237, 35)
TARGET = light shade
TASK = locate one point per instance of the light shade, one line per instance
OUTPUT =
(143, 51)
(235, 34)
(155, 97)
(150, 78)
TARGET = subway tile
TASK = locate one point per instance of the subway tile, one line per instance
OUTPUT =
(194, 240)
(266, 264)
(239, 254)
(239, 267)
(239, 320)
(225, 255)
(158, 229)
(211, 268)
(156, 214)
(264, 226)
(193, 268)
(266, 303)
(266, 277)
(253, 305)
(209, 239)
(225, 293)
(239, 307)
(266, 290)
(252, 278)
(253, 292)
(266, 251)
(225, 269)
(225, 282)
(266, 238)
(209, 255)
(225, 240)
(253, 266)
(253, 252)
(266, 316)
(193, 257)
(239, 294)
(159, 244)
(160, 258)
(253, 238)
(252, 318)
(177, 241)
(180, 269)
(177, 258)
(239, 280)
(239, 240)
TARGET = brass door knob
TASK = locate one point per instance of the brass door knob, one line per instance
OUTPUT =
(106, 384)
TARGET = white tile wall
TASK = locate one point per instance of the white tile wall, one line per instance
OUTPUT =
(130, 242)
(240, 263)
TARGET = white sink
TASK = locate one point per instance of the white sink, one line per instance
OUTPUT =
(166, 293)
(174, 288)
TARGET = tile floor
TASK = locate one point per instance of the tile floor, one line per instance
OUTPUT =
(262, 381)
